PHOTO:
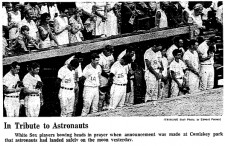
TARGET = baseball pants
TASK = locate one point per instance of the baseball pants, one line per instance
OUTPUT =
(207, 77)
(118, 95)
(67, 98)
(192, 82)
(175, 91)
(12, 106)
(91, 99)
(32, 104)
(151, 87)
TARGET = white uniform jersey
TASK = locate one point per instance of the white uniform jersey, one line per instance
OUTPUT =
(10, 81)
(120, 73)
(178, 68)
(30, 81)
(67, 77)
(165, 66)
(105, 62)
(203, 51)
(92, 75)
(154, 58)
(192, 58)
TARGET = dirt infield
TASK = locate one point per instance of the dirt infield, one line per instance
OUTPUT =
(207, 103)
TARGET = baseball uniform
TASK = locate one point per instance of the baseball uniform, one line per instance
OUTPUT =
(207, 69)
(105, 63)
(91, 89)
(178, 68)
(66, 92)
(118, 89)
(130, 95)
(32, 101)
(169, 53)
(11, 102)
(78, 74)
(152, 84)
(191, 78)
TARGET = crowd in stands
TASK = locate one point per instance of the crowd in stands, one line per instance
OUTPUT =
(33, 26)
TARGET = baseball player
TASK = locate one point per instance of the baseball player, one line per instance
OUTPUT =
(106, 60)
(91, 73)
(130, 85)
(206, 58)
(153, 65)
(66, 81)
(177, 70)
(33, 99)
(11, 91)
(191, 60)
(118, 79)
(178, 44)
(78, 74)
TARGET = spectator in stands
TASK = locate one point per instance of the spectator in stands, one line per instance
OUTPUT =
(36, 12)
(61, 28)
(175, 14)
(100, 23)
(161, 18)
(33, 30)
(21, 44)
(153, 6)
(14, 18)
(128, 16)
(4, 14)
(53, 10)
(87, 18)
(5, 48)
(219, 12)
(111, 22)
(45, 32)
(117, 12)
(77, 26)
(196, 16)
(44, 8)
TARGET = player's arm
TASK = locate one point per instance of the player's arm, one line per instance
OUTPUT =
(201, 58)
(110, 82)
(190, 67)
(10, 90)
(148, 63)
(173, 75)
(104, 74)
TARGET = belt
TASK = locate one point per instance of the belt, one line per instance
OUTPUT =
(34, 95)
(120, 84)
(206, 64)
(92, 86)
(12, 96)
(67, 88)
